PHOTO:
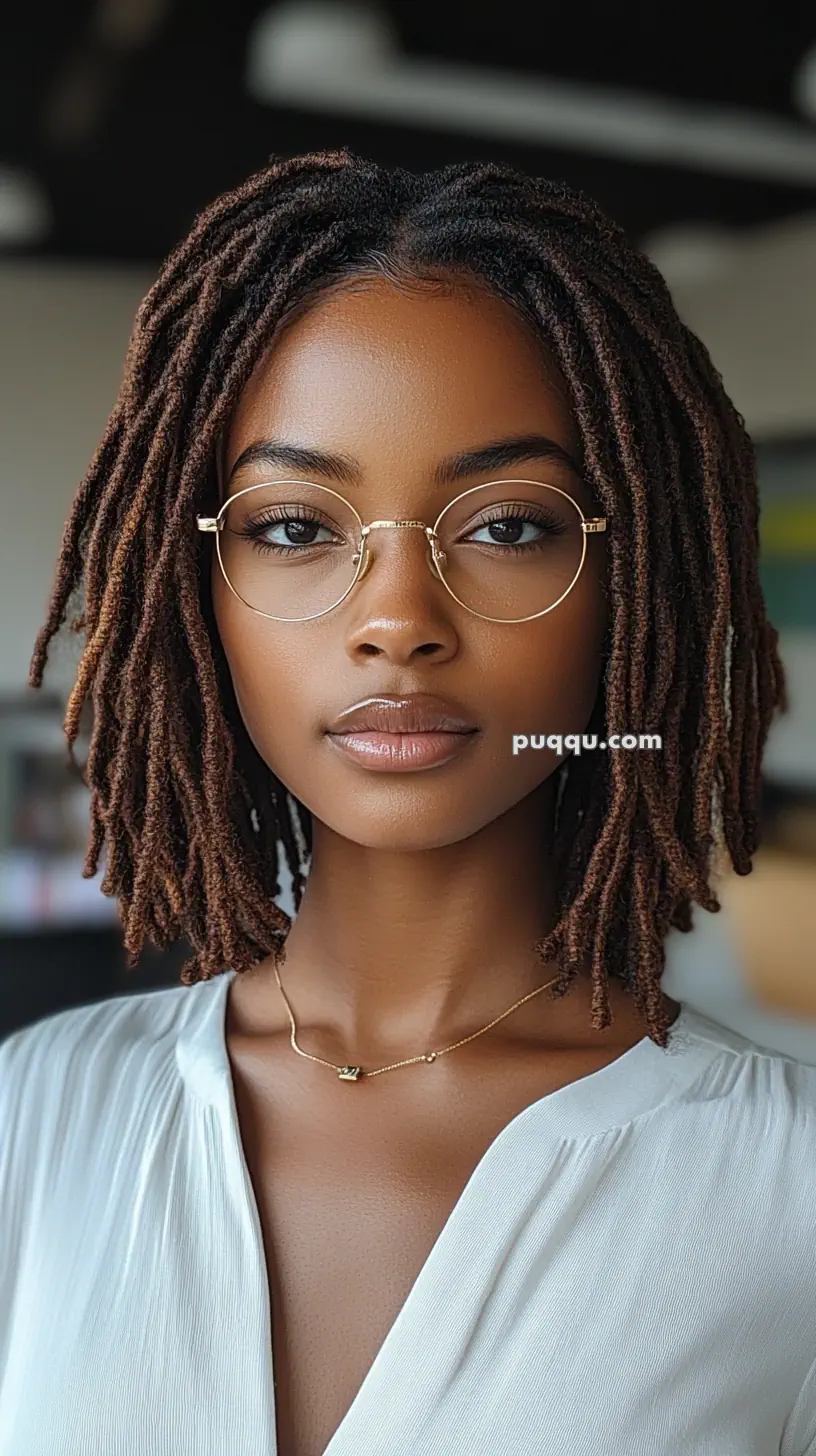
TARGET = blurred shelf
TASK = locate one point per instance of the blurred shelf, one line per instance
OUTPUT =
(48, 893)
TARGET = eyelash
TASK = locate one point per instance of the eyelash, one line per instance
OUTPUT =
(523, 511)
(252, 530)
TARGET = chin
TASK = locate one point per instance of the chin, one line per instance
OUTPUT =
(403, 813)
(407, 838)
(408, 816)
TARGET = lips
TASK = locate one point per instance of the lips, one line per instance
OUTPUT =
(417, 713)
(402, 735)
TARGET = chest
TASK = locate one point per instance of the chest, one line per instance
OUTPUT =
(345, 1239)
(350, 1208)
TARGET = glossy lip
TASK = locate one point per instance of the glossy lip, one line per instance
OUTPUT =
(402, 734)
(412, 713)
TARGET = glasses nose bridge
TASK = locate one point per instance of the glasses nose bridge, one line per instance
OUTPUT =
(431, 539)
(397, 526)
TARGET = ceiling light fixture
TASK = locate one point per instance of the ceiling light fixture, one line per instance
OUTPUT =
(25, 214)
(344, 58)
(309, 41)
(804, 84)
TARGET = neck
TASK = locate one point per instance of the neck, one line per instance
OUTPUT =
(395, 951)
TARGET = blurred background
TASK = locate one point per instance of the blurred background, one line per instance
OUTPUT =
(694, 126)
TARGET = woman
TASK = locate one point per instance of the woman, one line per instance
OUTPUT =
(406, 470)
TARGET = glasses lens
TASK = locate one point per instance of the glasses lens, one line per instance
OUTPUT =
(512, 548)
(289, 549)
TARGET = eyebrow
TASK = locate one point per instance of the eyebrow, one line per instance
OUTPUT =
(497, 454)
(503, 452)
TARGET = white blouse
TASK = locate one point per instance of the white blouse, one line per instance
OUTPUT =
(630, 1269)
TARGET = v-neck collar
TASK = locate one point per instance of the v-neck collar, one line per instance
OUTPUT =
(643, 1078)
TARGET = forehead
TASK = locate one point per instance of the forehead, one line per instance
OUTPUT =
(374, 369)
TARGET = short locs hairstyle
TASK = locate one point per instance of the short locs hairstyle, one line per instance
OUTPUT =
(191, 816)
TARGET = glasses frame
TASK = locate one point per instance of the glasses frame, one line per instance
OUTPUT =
(363, 557)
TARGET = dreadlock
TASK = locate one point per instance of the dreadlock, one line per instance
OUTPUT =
(193, 817)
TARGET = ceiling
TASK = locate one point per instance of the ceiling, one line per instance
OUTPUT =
(171, 124)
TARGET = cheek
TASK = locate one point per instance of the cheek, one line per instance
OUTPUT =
(546, 685)
(266, 663)
(544, 675)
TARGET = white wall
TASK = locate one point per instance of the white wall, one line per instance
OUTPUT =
(63, 334)
(757, 316)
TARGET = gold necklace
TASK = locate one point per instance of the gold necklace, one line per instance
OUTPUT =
(353, 1074)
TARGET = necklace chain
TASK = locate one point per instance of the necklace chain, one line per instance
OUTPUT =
(353, 1074)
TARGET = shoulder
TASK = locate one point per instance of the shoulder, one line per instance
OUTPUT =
(80, 1042)
(747, 1162)
(81, 1076)
(95, 1118)
(749, 1125)
(754, 1072)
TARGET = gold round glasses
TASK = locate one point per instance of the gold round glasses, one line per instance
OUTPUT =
(507, 551)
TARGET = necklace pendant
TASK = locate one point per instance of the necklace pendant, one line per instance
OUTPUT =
(349, 1074)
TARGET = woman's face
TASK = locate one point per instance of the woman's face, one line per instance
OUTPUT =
(398, 382)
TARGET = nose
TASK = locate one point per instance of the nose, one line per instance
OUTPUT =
(399, 608)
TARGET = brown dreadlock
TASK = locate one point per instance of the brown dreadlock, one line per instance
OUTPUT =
(192, 815)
